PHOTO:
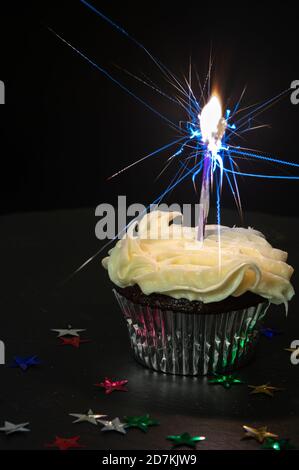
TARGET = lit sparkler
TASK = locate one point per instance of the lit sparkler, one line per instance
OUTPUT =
(212, 127)
(205, 139)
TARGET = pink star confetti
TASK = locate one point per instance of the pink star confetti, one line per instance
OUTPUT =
(110, 385)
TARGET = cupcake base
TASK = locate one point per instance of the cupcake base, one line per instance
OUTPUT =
(179, 337)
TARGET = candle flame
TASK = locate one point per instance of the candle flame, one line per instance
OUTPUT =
(212, 124)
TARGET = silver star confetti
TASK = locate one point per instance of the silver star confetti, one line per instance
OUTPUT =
(114, 425)
(89, 417)
(69, 331)
(10, 428)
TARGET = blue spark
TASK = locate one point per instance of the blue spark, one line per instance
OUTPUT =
(114, 80)
(191, 136)
(192, 132)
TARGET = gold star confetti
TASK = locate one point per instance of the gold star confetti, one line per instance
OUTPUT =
(267, 389)
(259, 434)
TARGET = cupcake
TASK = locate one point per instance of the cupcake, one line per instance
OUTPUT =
(195, 308)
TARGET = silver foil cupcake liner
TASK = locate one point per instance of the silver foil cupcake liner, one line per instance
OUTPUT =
(192, 344)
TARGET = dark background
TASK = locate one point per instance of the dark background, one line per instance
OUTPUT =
(63, 130)
(65, 127)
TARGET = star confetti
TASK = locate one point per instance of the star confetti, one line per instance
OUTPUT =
(225, 380)
(141, 422)
(110, 385)
(114, 425)
(277, 444)
(89, 417)
(185, 440)
(75, 341)
(10, 428)
(270, 332)
(69, 331)
(25, 362)
(64, 444)
(259, 434)
(266, 389)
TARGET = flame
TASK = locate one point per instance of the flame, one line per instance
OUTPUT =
(212, 124)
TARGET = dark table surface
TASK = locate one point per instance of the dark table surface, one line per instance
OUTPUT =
(38, 251)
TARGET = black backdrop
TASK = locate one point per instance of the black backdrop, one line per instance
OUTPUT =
(65, 128)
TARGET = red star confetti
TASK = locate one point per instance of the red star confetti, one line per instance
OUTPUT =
(110, 385)
(63, 443)
(74, 341)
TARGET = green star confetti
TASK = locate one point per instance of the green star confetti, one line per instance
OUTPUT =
(185, 440)
(225, 380)
(277, 444)
(141, 422)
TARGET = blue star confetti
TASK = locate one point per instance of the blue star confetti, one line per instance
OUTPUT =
(25, 362)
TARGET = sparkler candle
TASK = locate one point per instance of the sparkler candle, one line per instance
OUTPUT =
(212, 126)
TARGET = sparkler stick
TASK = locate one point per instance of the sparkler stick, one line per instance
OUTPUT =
(204, 202)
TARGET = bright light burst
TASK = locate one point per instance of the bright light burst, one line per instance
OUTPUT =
(212, 125)
(196, 134)
(205, 128)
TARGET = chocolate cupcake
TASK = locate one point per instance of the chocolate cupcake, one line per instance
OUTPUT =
(195, 308)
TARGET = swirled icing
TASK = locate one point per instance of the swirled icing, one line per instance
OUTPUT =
(168, 259)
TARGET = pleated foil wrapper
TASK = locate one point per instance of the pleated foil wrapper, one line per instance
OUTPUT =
(192, 344)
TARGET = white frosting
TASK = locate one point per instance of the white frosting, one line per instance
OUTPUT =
(169, 260)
